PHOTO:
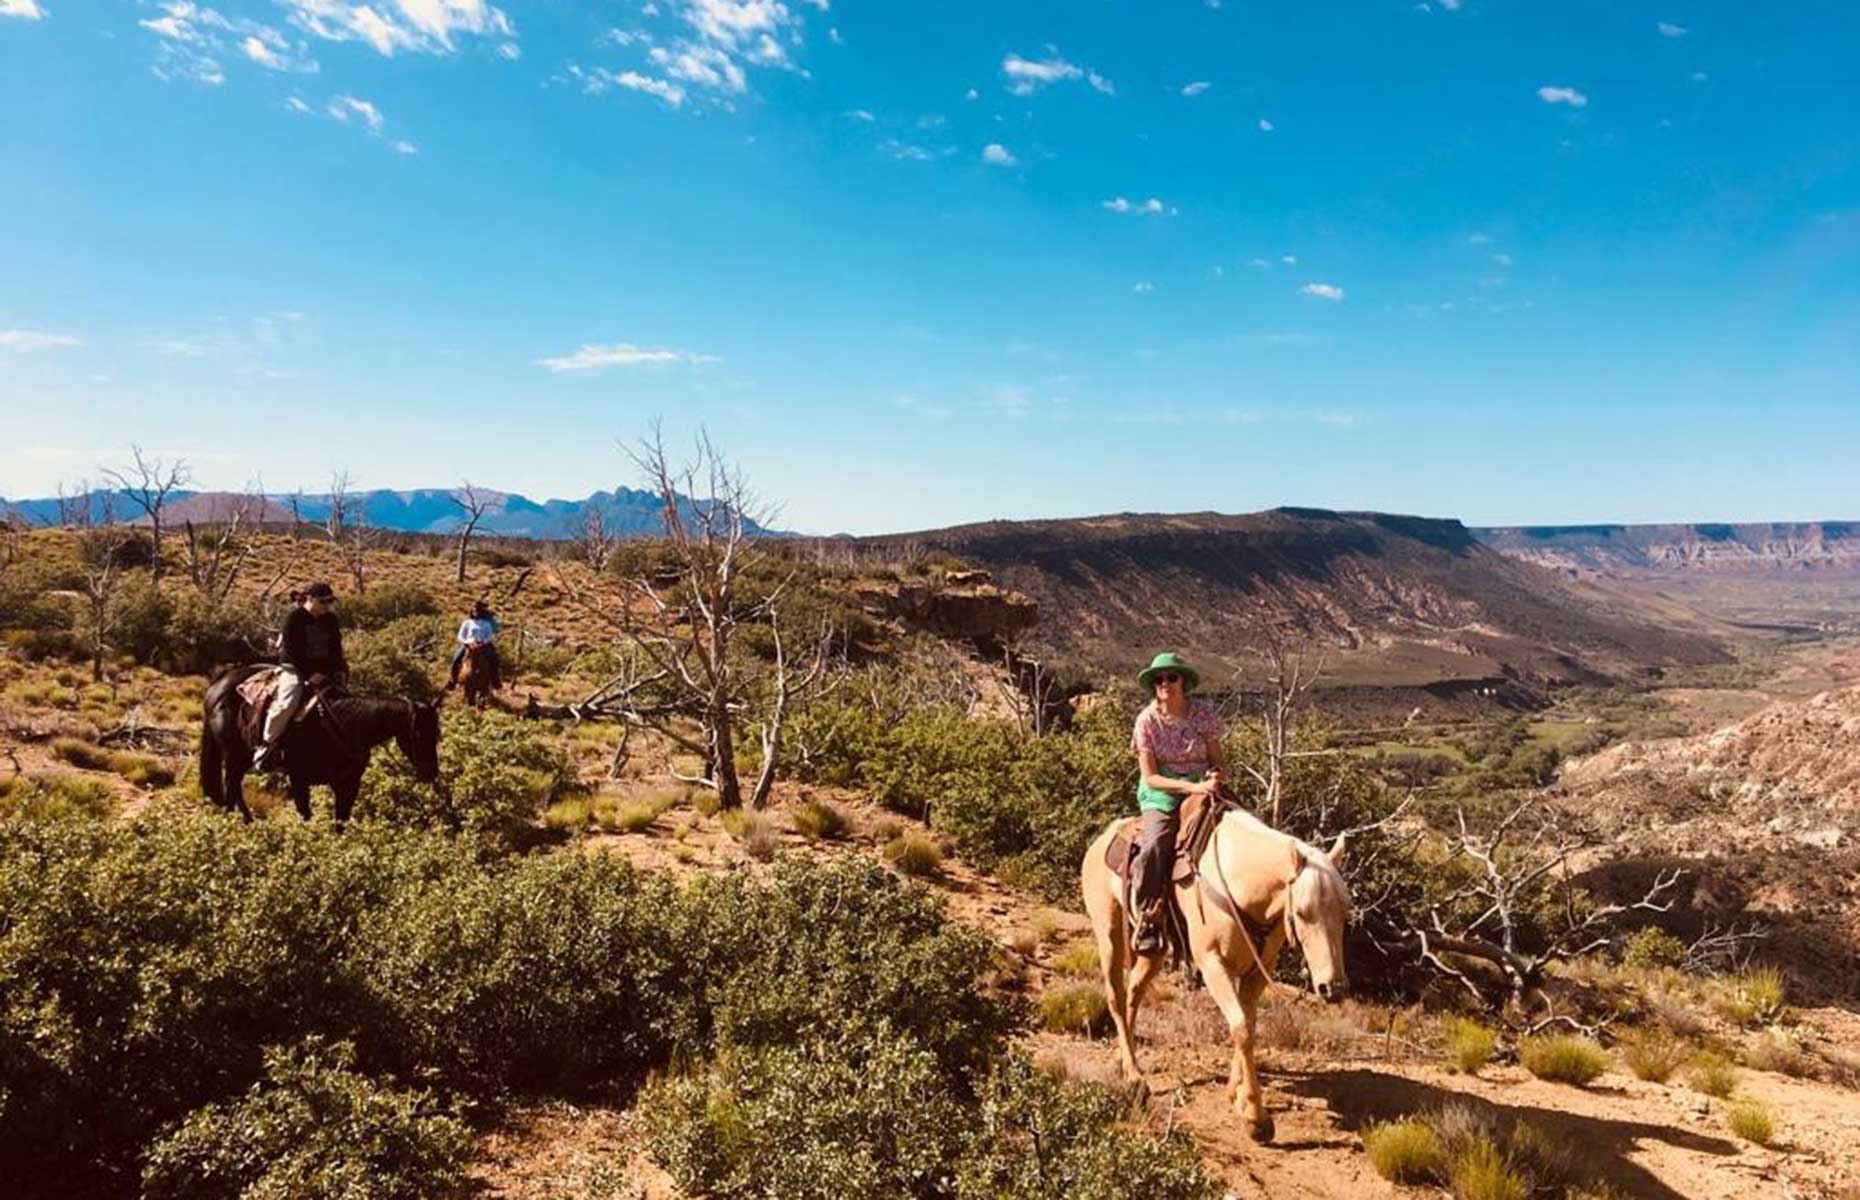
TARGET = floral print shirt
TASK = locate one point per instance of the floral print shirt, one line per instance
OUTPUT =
(1180, 744)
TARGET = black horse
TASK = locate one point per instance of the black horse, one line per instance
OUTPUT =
(330, 745)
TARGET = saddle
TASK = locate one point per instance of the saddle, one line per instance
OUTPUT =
(257, 693)
(1198, 817)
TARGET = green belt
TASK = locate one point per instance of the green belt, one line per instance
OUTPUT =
(1150, 799)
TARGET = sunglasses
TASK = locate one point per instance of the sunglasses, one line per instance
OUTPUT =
(1167, 677)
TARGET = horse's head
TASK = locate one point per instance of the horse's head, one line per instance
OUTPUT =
(420, 740)
(1317, 907)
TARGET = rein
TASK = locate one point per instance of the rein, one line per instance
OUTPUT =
(1226, 896)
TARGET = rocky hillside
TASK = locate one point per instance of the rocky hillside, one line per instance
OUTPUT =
(1763, 814)
(1395, 602)
(1629, 551)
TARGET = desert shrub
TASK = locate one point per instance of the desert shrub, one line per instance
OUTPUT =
(495, 775)
(1775, 1051)
(314, 1129)
(1751, 1120)
(387, 603)
(80, 753)
(54, 796)
(1469, 1045)
(142, 614)
(145, 968)
(1654, 1054)
(1036, 1137)
(203, 635)
(1405, 1152)
(631, 816)
(1713, 1075)
(1073, 1007)
(914, 854)
(818, 820)
(1563, 1059)
(568, 816)
(1079, 960)
(1652, 947)
(402, 658)
(1479, 1170)
(861, 1116)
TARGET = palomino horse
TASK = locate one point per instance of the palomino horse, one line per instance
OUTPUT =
(479, 673)
(1255, 890)
(330, 746)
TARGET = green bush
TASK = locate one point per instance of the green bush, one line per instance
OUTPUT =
(314, 1129)
(1563, 1059)
(495, 775)
(1469, 1045)
(1405, 1152)
(54, 796)
(1652, 947)
(203, 635)
(385, 604)
(405, 657)
(145, 968)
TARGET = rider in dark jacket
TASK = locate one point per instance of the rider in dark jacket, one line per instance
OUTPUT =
(311, 646)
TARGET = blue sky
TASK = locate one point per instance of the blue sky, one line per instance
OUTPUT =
(920, 264)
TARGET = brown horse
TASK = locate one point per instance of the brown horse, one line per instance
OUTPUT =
(330, 745)
(480, 674)
(1255, 890)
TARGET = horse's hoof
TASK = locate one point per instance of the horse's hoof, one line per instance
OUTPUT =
(1261, 1130)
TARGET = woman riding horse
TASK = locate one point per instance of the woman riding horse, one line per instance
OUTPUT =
(1177, 741)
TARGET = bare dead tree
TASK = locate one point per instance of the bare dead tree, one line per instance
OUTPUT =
(296, 503)
(786, 688)
(12, 533)
(1291, 669)
(147, 483)
(217, 553)
(1031, 687)
(597, 540)
(472, 507)
(1498, 916)
(347, 528)
(101, 555)
(76, 509)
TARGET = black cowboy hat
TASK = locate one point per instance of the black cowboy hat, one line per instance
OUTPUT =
(480, 609)
(321, 591)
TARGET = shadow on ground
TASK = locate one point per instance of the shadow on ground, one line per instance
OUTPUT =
(1599, 1147)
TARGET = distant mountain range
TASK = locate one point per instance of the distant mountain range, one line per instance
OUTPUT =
(627, 512)
(1628, 551)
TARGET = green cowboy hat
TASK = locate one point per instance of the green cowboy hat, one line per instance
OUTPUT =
(1169, 660)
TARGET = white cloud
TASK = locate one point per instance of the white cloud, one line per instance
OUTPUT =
(1668, 29)
(510, 51)
(1144, 287)
(971, 94)
(1290, 260)
(1450, 5)
(297, 105)
(1563, 95)
(1479, 239)
(177, 348)
(1503, 260)
(910, 152)
(1265, 126)
(345, 108)
(25, 9)
(860, 114)
(833, 35)
(1026, 76)
(420, 26)
(1196, 88)
(702, 65)
(1699, 77)
(405, 148)
(1258, 264)
(1323, 291)
(261, 54)
(26, 341)
(622, 354)
(1142, 208)
(995, 154)
(600, 80)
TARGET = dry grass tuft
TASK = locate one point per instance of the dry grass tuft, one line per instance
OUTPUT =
(567, 816)
(1751, 1120)
(1776, 1052)
(1564, 1059)
(914, 854)
(1765, 991)
(1405, 1152)
(1079, 960)
(1481, 1171)
(817, 820)
(1654, 1054)
(1712, 1075)
(1073, 1008)
(1469, 1045)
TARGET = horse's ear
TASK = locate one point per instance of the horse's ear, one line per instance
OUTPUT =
(1297, 863)
(1336, 851)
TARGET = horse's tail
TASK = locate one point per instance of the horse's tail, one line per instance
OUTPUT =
(212, 773)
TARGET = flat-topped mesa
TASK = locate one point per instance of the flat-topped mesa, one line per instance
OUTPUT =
(1831, 547)
(1394, 601)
